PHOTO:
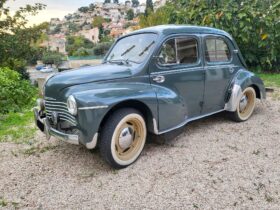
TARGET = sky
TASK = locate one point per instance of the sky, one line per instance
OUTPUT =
(54, 9)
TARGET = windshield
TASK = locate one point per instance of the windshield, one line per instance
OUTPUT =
(134, 48)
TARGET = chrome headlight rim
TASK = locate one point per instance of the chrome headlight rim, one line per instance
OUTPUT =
(72, 105)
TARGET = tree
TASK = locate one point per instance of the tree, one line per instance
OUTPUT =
(98, 21)
(51, 58)
(74, 43)
(135, 3)
(149, 7)
(92, 7)
(130, 14)
(107, 1)
(116, 1)
(83, 9)
(254, 24)
(16, 39)
(11, 22)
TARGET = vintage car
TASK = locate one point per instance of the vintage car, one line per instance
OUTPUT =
(153, 80)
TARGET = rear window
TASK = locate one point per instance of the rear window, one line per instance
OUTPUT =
(217, 50)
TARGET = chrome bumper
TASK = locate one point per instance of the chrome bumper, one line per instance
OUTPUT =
(44, 125)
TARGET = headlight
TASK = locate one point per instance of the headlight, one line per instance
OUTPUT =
(72, 105)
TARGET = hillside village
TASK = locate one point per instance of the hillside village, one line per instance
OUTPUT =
(98, 22)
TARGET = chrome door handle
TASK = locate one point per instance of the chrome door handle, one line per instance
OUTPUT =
(231, 69)
(159, 79)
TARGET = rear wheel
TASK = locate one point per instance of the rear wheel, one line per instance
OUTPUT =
(123, 137)
(246, 105)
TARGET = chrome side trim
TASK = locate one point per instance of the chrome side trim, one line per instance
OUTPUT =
(93, 107)
(186, 122)
(236, 94)
(93, 143)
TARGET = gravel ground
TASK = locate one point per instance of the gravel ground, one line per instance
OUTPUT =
(213, 164)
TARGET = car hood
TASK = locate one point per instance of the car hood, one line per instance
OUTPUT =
(86, 75)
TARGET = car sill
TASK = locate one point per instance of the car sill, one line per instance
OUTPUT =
(156, 131)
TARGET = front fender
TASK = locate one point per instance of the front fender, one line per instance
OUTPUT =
(96, 100)
(240, 82)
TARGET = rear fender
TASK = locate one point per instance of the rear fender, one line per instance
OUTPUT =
(240, 82)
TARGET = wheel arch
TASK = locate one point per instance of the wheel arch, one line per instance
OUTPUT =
(136, 104)
(242, 80)
(257, 90)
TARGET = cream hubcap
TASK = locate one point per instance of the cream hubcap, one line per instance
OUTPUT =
(126, 138)
(243, 103)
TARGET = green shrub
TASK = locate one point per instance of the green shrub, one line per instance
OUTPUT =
(16, 94)
(254, 24)
(51, 57)
(102, 48)
(82, 52)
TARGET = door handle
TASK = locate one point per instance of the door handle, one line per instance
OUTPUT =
(231, 70)
(159, 79)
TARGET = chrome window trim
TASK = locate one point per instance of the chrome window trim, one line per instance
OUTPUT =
(215, 63)
(179, 65)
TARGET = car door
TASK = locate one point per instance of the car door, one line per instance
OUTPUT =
(177, 75)
(219, 71)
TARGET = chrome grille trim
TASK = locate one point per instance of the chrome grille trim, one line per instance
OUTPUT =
(61, 108)
(65, 118)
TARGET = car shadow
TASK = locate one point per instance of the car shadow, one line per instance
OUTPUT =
(92, 162)
(193, 126)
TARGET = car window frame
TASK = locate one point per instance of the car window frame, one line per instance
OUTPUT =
(104, 60)
(180, 65)
(217, 62)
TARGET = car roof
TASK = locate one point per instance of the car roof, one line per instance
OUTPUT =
(177, 29)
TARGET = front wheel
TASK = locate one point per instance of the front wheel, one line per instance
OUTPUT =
(123, 137)
(246, 105)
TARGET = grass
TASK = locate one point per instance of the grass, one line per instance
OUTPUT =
(17, 127)
(270, 80)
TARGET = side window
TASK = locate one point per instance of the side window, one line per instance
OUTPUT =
(179, 51)
(217, 50)
(187, 50)
(168, 53)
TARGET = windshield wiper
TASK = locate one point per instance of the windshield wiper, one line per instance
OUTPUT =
(147, 48)
(119, 61)
(128, 50)
(122, 61)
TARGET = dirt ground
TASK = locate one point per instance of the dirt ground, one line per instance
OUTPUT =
(213, 164)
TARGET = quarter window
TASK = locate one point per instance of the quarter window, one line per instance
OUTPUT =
(217, 50)
(179, 51)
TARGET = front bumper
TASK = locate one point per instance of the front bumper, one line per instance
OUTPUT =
(43, 124)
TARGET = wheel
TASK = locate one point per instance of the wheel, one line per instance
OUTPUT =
(246, 105)
(123, 137)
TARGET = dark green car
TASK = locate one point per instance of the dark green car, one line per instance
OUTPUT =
(153, 80)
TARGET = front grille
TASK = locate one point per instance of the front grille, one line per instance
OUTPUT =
(52, 105)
